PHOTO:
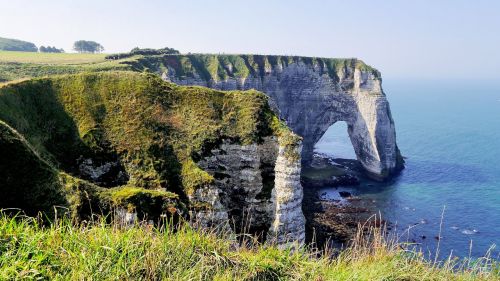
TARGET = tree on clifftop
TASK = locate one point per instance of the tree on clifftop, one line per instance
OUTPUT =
(83, 46)
(50, 49)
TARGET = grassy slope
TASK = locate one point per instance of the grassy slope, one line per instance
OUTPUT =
(155, 129)
(33, 184)
(98, 251)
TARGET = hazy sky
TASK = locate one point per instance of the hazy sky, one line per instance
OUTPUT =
(453, 39)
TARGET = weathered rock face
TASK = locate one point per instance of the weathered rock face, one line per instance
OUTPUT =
(149, 149)
(288, 220)
(311, 94)
(257, 190)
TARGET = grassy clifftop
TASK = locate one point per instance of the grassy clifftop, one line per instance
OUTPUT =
(15, 66)
(19, 65)
(149, 133)
(221, 67)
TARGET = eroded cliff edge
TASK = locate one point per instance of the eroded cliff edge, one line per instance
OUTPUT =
(135, 146)
(311, 94)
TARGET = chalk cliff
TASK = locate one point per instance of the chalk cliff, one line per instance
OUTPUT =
(257, 190)
(311, 94)
(147, 148)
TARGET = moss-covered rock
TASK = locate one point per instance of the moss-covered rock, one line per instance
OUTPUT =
(81, 131)
(149, 204)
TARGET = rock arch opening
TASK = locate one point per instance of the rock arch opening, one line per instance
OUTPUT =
(335, 142)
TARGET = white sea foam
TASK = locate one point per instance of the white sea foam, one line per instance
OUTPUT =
(469, 231)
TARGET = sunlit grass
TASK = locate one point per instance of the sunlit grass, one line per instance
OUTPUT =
(49, 58)
(101, 251)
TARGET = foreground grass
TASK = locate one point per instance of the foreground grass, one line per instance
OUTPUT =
(99, 251)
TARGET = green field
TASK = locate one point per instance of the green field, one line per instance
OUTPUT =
(49, 58)
(18, 66)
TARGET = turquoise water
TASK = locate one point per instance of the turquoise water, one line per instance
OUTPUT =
(449, 133)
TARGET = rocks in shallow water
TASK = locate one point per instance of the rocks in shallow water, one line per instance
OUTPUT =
(347, 180)
(345, 194)
(332, 222)
(324, 172)
(335, 181)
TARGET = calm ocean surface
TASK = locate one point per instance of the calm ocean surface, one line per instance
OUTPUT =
(449, 133)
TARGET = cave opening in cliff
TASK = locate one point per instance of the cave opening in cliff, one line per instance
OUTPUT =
(335, 142)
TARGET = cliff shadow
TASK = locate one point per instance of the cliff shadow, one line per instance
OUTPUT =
(34, 109)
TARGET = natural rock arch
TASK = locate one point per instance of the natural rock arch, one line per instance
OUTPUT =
(314, 103)
(311, 95)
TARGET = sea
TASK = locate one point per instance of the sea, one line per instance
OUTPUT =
(447, 199)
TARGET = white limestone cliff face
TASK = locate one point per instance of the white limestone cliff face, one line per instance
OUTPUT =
(372, 129)
(288, 220)
(311, 99)
(257, 190)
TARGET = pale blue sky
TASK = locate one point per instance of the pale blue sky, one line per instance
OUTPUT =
(452, 39)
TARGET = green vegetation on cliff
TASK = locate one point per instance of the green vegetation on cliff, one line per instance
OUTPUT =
(32, 184)
(208, 67)
(150, 132)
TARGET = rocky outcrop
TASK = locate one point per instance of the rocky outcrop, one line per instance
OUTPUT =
(257, 190)
(311, 94)
(148, 149)
(288, 221)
